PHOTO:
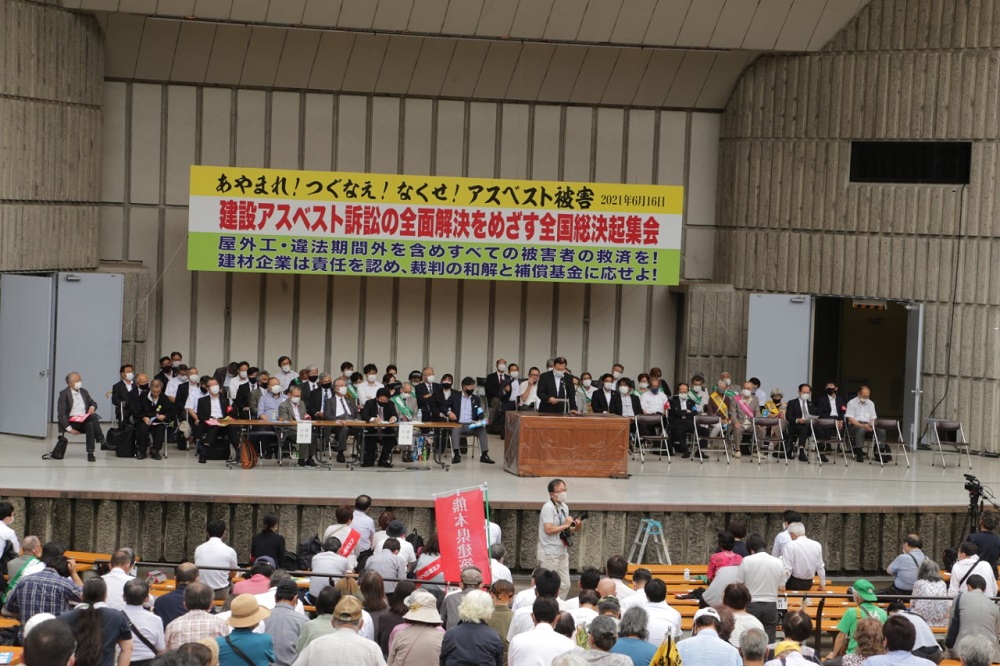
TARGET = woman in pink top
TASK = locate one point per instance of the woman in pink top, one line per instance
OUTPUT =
(725, 557)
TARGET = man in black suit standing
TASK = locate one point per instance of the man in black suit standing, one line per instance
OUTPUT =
(125, 395)
(425, 391)
(341, 408)
(555, 390)
(498, 385)
(600, 402)
(796, 414)
(213, 407)
(78, 413)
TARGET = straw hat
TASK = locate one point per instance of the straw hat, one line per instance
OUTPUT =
(246, 612)
(423, 608)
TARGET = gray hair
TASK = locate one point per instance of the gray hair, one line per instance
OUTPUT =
(975, 650)
(798, 529)
(476, 606)
(634, 623)
(753, 645)
(324, 375)
(929, 571)
(312, 367)
(603, 632)
(498, 551)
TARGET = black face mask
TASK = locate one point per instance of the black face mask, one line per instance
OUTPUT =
(143, 387)
(831, 391)
(326, 385)
(167, 369)
(313, 378)
(252, 380)
(446, 387)
(469, 391)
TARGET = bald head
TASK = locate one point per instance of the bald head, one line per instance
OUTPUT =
(31, 544)
(606, 588)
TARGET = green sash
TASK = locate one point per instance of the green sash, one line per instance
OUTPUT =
(17, 578)
(401, 406)
(353, 392)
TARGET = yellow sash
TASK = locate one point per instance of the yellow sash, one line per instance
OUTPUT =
(771, 408)
(720, 405)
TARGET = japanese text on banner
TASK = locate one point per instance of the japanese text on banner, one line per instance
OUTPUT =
(461, 528)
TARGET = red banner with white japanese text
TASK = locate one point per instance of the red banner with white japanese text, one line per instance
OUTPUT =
(461, 529)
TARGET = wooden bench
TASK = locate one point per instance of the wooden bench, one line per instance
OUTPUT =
(85, 561)
(18, 653)
(7, 622)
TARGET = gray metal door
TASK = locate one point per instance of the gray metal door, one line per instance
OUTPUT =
(89, 334)
(27, 316)
(779, 340)
(912, 377)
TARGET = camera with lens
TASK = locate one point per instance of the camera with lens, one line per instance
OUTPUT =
(567, 534)
(973, 485)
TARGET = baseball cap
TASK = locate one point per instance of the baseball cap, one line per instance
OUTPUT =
(472, 576)
(865, 589)
(348, 610)
(267, 559)
(711, 612)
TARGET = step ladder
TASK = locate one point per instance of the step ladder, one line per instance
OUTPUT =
(649, 529)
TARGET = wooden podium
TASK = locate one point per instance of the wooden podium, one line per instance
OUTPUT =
(595, 445)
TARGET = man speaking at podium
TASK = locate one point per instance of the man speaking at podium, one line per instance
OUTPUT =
(555, 390)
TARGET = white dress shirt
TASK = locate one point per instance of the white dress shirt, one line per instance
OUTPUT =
(627, 406)
(494, 534)
(527, 598)
(7, 535)
(637, 599)
(522, 621)
(171, 388)
(342, 532)
(365, 526)
(622, 590)
(234, 386)
(215, 553)
(115, 581)
(780, 541)
(803, 558)
(78, 408)
(653, 403)
(763, 574)
(194, 395)
(216, 407)
(150, 626)
(538, 647)
(583, 615)
(865, 413)
(367, 391)
(662, 620)
(981, 568)
(500, 571)
(332, 565)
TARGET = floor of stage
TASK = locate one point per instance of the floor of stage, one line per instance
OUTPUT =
(656, 485)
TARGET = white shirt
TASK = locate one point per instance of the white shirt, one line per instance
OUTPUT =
(7, 535)
(780, 541)
(803, 558)
(216, 402)
(367, 391)
(555, 515)
(762, 397)
(961, 567)
(865, 413)
(330, 564)
(285, 378)
(365, 526)
(522, 621)
(631, 601)
(500, 571)
(150, 626)
(925, 637)
(171, 388)
(267, 600)
(115, 581)
(662, 619)
(653, 403)
(622, 590)
(530, 396)
(406, 552)
(583, 616)
(234, 386)
(763, 575)
(627, 405)
(341, 532)
(538, 647)
(494, 533)
(194, 395)
(77, 408)
(215, 553)
(527, 598)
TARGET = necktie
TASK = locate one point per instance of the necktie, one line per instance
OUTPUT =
(561, 389)
(343, 407)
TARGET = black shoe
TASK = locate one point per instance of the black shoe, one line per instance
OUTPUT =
(859, 458)
(155, 455)
(105, 446)
(311, 463)
(141, 455)
(303, 463)
(803, 457)
(686, 454)
(340, 457)
(385, 463)
(456, 458)
(823, 458)
(485, 458)
(367, 464)
(201, 459)
(90, 457)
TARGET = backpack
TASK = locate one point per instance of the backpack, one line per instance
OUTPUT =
(667, 654)
(248, 454)
(307, 549)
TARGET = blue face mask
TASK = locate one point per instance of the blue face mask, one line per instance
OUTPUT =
(655, 390)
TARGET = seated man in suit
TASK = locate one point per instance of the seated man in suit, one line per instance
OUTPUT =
(341, 408)
(78, 413)
(556, 394)
(466, 409)
(379, 410)
(154, 412)
(624, 402)
(241, 379)
(211, 409)
(680, 424)
(124, 395)
(293, 409)
(797, 415)
(406, 403)
(166, 372)
(600, 400)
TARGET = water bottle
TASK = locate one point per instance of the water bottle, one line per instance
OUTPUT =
(687, 574)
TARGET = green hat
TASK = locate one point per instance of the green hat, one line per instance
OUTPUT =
(865, 590)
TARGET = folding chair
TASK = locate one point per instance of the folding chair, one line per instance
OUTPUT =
(831, 426)
(661, 437)
(710, 422)
(766, 424)
(888, 425)
(960, 441)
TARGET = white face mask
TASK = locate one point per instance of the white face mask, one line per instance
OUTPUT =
(193, 379)
(276, 389)
(624, 390)
(129, 376)
(183, 378)
(431, 379)
(608, 386)
(341, 390)
(616, 374)
(558, 374)
(405, 396)
(348, 372)
(214, 390)
(372, 378)
(501, 367)
(286, 368)
(295, 399)
(175, 364)
(729, 382)
(805, 396)
(587, 382)
(243, 374)
(561, 497)
(515, 374)
(747, 393)
(643, 385)
(77, 386)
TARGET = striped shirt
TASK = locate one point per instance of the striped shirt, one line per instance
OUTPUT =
(194, 626)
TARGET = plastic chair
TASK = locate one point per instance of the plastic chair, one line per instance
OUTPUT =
(705, 420)
(960, 441)
(888, 425)
(766, 424)
(662, 438)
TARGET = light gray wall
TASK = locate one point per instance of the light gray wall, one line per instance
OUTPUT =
(789, 220)
(154, 132)
(51, 65)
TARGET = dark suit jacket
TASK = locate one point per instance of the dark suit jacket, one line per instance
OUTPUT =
(426, 399)
(547, 388)
(220, 374)
(65, 403)
(674, 412)
(205, 406)
(125, 401)
(616, 404)
(162, 376)
(370, 410)
(599, 403)
(316, 399)
(149, 409)
(823, 403)
(180, 399)
(331, 408)
(454, 404)
(241, 403)
(494, 387)
(440, 404)
(793, 412)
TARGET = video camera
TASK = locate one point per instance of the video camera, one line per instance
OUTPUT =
(567, 534)
(973, 485)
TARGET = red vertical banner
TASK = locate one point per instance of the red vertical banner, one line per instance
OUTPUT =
(461, 529)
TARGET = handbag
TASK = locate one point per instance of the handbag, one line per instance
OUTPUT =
(248, 454)
(58, 451)
(953, 624)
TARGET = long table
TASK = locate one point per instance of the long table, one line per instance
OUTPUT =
(594, 445)
(246, 424)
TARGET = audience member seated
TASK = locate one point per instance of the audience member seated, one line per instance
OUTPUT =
(260, 577)
(98, 629)
(343, 645)
(602, 635)
(388, 564)
(370, 388)
(930, 584)
(473, 641)
(328, 567)
(211, 409)
(969, 564)
(859, 631)
(284, 626)
(50, 643)
(122, 562)
(51, 590)
(170, 606)
(633, 637)
(540, 644)
(663, 619)
(418, 640)
(974, 613)
(242, 646)
(705, 647)
(198, 622)
(147, 628)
